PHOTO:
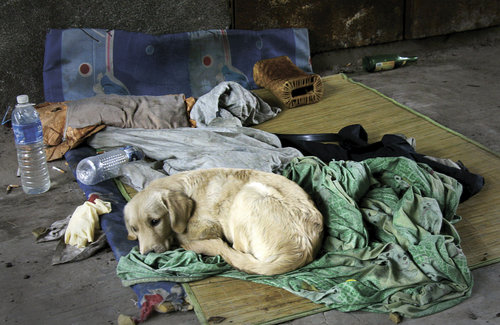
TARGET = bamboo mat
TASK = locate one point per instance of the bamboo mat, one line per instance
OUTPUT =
(345, 102)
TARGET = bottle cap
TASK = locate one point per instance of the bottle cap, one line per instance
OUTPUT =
(22, 99)
(133, 153)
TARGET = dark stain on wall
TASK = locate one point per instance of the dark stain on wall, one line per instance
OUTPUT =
(332, 24)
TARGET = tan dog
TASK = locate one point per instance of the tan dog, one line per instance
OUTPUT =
(258, 222)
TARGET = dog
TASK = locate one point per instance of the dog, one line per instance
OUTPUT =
(258, 222)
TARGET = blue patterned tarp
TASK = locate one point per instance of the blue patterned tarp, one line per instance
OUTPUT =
(81, 63)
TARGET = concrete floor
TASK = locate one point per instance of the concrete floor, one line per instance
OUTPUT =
(456, 82)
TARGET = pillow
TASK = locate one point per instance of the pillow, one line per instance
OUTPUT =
(67, 124)
(81, 63)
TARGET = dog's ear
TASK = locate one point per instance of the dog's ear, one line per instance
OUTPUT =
(130, 234)
(180, 207)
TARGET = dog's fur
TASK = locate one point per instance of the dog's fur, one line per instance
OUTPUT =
(259, 222)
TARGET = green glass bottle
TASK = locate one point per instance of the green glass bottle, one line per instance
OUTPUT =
(386, 62)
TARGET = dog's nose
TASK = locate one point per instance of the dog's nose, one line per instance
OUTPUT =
(146, 251)
(154, 249)
(159, 249)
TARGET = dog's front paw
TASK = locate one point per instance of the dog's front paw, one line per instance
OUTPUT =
(194, 246)
(187, 246)
(206, 247)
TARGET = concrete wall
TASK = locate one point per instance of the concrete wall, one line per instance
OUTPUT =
(23, 24)
(426, 18)
(338, 24)
(333, 24)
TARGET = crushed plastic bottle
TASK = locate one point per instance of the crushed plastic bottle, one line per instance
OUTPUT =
(95, 169)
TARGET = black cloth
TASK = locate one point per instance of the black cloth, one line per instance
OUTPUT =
(353, 145)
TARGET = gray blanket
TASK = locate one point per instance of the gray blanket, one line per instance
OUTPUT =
(229, 99)
(184, 149)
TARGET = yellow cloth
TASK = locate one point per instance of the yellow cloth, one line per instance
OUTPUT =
(84, 221)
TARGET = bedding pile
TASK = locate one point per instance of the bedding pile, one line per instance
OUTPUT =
(390, 244)
(96, 79)
(159, 126)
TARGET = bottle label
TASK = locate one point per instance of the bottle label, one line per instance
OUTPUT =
(28, 133)
(388, 65)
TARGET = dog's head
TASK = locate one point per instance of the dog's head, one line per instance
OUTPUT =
(153, 216)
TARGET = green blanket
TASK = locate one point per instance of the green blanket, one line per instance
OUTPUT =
(390, 244)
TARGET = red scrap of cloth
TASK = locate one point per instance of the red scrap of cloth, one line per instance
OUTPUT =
(150, 301)
(93, 197)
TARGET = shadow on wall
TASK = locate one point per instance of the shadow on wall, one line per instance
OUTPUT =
(24, 23)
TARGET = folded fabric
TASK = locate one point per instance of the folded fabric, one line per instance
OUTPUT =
(177, 266)
(149, 112)
(67, 124)
(231, 99)
(53, 117)
(390, 244)
(184, 149)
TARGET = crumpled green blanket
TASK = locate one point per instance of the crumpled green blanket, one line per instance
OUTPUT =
(390, 244)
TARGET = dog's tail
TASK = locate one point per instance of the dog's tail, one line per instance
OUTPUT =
(247, 262)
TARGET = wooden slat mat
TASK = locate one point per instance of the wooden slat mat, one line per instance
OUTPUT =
(346, 102)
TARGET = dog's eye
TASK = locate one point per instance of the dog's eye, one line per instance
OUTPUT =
(154, 222)
(134, 229)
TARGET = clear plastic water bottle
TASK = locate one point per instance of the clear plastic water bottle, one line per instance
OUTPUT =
(95, 169)
(31, 156)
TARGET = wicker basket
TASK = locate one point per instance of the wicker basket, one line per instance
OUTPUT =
(292, 86)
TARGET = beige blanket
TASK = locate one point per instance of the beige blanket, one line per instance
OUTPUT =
(67, 124)
(146, 112)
